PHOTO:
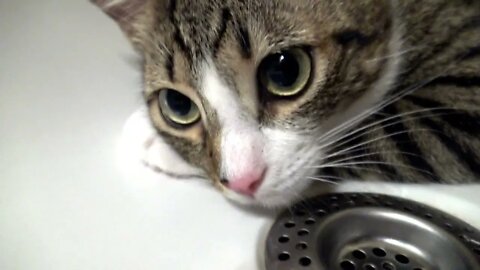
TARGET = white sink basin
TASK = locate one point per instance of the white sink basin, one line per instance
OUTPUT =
(67, 85)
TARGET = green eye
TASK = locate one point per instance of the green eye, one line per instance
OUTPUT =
(285, 73)
(178, 108)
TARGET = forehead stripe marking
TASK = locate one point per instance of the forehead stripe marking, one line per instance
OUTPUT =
(177, 35)
(170, 66)
(226, 16)
(244, 40)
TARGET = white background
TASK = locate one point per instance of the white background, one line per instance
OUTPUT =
(68, 82)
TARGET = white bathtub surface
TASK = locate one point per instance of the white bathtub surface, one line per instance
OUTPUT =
(68, 82)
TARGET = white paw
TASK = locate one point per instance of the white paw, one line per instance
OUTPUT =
(141, 143)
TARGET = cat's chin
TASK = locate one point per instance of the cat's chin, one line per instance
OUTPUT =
(265, 199)
(273, 202)
(279, 199)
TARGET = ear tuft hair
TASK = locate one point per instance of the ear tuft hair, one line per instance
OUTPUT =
(124, 12)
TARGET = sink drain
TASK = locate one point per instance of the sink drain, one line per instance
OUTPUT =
(354, 231)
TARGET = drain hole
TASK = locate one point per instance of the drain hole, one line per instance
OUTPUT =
(283, 239)
(388, 266)
(348, 265)
(369, 267)
(321, 212)
(301, 246)
(429, 216)
(379, 252)
(358, 254)
(300, 213)
(402, 259)
(448, 226)
(303, 232)
(305, 261)
(469, 230)
(284, 256)
(310, 221)
(290, 224)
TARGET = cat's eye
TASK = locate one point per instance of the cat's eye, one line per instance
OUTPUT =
(177, 108)
(285, 73)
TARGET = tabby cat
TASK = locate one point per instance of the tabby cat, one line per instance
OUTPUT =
(266, 97)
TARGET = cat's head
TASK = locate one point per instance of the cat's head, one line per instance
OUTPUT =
(254, 92)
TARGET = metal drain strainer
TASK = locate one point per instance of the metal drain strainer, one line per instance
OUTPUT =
(353, 231)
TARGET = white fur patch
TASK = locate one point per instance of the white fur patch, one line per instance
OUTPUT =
(246, 146)
(242, 141)
(290, 157)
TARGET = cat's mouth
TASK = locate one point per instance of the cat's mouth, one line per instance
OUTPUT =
(274, 190)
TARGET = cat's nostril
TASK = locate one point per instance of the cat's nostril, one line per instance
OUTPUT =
(224, 181)
(247, 184)
(254, 186)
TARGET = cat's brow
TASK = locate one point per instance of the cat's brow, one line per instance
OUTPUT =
(177, 34)
(241, 34)
(170, 66)
(244, 40)
(226, 17)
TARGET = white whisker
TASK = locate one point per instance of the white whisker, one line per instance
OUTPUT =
(376, 139)
(322, 180)
(347, 124)
(336, 165)
(383, 126)
(373, 154)
(396, 54)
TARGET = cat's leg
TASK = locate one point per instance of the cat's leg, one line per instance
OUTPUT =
(140, 142)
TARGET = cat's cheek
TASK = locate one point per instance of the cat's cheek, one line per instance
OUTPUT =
(272, 196)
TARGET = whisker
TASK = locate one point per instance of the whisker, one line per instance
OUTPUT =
(377, 163)
(376, 139)
(362, 169)
(383, 126)
(391, 117)
(322, 180)
(373, 154)
(379, 106)
(396, 54)
(333, 178)
(176, 175)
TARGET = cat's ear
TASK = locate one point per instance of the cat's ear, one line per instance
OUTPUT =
(127, 13)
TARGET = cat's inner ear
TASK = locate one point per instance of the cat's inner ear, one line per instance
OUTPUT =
(125, 12)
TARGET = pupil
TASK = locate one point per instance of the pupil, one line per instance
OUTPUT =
(178, 103)
(283, 69)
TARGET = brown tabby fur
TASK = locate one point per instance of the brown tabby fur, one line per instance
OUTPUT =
(440, 75)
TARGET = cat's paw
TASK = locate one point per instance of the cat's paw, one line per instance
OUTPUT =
(140, 142)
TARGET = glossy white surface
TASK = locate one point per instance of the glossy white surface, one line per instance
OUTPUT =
(67, 85)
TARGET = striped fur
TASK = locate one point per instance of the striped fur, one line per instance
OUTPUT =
(432, 133)
(415, 65)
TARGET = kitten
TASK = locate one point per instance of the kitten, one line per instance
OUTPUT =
(267, 97)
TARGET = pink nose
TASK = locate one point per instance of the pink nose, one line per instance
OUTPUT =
(248, 183)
